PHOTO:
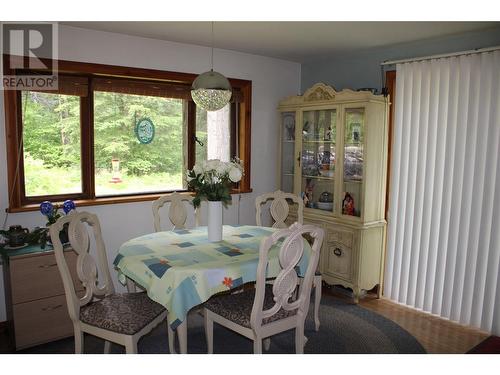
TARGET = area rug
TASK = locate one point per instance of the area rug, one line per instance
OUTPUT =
(490, 345)
(345, 329)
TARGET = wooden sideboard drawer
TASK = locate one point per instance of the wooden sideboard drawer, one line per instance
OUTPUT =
(38, 277)
(339, 261)
(342, 236)
(40, 321)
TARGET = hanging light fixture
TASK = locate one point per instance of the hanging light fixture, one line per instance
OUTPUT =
(211, 90)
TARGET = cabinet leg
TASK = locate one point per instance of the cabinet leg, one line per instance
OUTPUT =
(379, 291)
(356, 292)
(131, 286)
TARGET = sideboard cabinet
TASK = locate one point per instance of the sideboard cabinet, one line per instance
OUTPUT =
(333, 154)
(35, 299)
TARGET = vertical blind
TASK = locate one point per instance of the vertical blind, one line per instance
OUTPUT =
(443, 250)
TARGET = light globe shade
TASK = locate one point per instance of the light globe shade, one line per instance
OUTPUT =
(211, 91)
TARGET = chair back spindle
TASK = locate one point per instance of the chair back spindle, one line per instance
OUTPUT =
(177, 212)
(279, 208)
(96, 284)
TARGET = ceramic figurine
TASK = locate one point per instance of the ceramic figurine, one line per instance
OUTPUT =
(309, 192)
(328, 134)
(348, 205)
(290, 128)
(304, 199)
(305, 129)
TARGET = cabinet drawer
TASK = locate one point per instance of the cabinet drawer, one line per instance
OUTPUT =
(41, 321)
(38, 277)
(341, 236)
(339, 261)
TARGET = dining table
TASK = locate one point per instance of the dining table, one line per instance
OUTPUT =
(181, 268)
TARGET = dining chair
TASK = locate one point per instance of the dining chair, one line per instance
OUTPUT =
(177, 212)
(268, 309)
(279, 211)
(118, 318)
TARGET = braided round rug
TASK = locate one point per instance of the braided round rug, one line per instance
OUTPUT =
(345, 329)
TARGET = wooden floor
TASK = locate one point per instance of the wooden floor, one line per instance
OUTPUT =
(437, 335)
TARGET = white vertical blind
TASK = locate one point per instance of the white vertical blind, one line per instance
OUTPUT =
(443, 250)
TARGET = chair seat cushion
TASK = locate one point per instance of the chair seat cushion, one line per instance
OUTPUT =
(122, 313)
(238, 307)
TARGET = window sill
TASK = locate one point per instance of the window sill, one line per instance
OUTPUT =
(111, 200)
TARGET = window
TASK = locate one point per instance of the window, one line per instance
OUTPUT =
(82, 141)
(122, 164)
(214, 134)
(51, 144)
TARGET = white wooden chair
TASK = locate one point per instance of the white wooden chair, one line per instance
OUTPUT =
(279, 213)
(177, 212)
(270, 309)
(118, 318)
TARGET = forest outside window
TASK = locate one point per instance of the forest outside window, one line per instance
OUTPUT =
(51, 144)
(124, 165)
(82, 142)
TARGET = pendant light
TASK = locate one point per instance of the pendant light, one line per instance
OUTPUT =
(211, 90)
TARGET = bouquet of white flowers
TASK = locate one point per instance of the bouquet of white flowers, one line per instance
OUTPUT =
(212, 180)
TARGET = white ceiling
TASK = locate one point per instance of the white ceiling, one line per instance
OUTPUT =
(294, 41)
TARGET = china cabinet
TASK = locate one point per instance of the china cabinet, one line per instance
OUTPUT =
(333, 154)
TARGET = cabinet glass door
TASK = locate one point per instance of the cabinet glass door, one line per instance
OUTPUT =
(287, 151)
(318, 158)
(354, 133)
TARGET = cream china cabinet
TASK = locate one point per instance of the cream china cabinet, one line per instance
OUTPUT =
(333, 154)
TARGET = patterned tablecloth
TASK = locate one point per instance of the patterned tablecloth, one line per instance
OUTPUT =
(181, 269)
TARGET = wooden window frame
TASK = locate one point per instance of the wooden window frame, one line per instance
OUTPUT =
(18, 202)
(390, 83)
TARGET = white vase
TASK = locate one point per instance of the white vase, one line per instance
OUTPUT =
(214, 221)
